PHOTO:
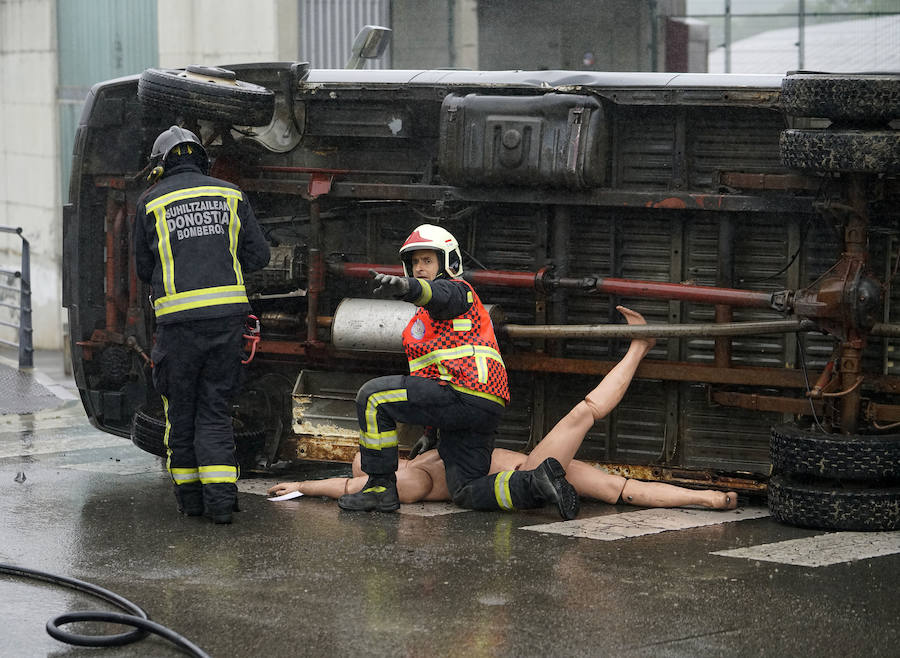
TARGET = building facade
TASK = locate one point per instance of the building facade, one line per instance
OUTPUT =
(54, 50)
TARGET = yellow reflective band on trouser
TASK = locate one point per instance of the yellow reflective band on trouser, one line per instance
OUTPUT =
(378, 489)
(165, 402)
(218, 473)
(501, 490)
(425, 295)
(201, 298)
(370, 437)
(184, 475)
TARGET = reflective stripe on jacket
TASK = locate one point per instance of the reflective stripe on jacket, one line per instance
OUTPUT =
(197, 230)
(461, 351)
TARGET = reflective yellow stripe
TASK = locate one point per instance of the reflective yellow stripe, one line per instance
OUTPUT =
(480, 394)
(377, 441)
(179, 475)
(165, 402)
(200, 298)
(370, 437)
(460, 352)
(501, 490)
(218, 473)
(425, 295)
(234, 228)
(469, 297)
(203, 190)
(482, 366)
(158, 208)
(462, 325)
(165, 251)
(184, 475)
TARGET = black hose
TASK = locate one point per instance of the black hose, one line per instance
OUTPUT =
(136, 617)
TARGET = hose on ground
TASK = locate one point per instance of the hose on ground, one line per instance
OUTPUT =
(135, 616)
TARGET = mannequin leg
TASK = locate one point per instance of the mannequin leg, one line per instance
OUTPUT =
(563, 441)
(595, 483)
(660, 494)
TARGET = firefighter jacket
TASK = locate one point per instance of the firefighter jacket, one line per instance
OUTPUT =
(451, 339)
(194, 237)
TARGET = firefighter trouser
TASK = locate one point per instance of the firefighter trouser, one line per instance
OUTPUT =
(466, 423)
(197, 371)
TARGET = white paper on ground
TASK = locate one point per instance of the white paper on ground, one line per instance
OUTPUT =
(287, 496)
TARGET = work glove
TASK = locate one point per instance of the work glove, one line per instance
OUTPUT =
(388, 285)
(426, 442)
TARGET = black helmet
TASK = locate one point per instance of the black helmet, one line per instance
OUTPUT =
(174, 137)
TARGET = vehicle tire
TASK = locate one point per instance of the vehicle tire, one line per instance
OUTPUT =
(828, 507)
(148, 429)
(870, 98)
(207, 93)
(862, 151)
(836, 456)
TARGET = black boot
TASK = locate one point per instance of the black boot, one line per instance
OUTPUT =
(552, 487)
(218, 517)
(219, 501)
(189, 498)
(379, 493)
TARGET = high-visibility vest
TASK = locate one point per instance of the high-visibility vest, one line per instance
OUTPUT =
(462, 351)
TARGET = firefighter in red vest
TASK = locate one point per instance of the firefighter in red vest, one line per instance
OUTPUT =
(457, 385)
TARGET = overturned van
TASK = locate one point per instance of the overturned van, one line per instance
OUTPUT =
(753, 220)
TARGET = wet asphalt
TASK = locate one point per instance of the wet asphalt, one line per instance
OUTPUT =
(303, 578)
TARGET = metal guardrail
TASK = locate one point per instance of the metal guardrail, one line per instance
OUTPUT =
(23, 274)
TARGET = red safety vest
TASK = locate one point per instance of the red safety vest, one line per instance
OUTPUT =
(462, 352)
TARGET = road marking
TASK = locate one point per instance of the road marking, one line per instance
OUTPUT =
(822, 550)
(611, 527)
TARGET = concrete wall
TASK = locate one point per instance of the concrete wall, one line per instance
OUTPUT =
(421, 38)
(535, 34)
(213, 32)
(29, 161)
(434, 34)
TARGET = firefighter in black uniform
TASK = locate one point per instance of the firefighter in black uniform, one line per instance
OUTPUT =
(457, 384)
(194, 237)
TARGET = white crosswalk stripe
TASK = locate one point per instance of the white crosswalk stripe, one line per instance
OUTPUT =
(822, 550)
(646, 522)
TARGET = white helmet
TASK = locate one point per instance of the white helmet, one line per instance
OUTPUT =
(428, 236)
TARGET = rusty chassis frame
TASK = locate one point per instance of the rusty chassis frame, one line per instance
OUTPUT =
(841, 303)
